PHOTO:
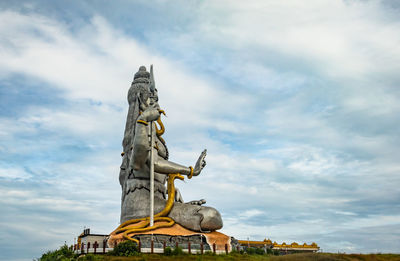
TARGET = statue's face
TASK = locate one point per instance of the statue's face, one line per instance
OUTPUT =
(151, 101)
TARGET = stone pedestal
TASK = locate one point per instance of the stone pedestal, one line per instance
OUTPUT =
(178, 234)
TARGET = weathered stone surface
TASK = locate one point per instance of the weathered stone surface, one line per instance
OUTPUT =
(134, 177)
(180, 233)
(170, 241)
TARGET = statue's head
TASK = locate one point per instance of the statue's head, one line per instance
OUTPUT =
(141, 96)
(143, 81)
(142, 76)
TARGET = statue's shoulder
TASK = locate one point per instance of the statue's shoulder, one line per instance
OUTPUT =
(138, 90)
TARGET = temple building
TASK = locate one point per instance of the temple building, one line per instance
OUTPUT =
(87, 241)
(282, 248)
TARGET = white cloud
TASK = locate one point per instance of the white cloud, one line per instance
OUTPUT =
(14, 173)
(251, 213)
(342, 39)
(99, 65)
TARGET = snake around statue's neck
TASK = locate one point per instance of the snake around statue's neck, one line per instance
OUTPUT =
(128, 227)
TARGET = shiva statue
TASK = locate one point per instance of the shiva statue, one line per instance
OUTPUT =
(144, 113)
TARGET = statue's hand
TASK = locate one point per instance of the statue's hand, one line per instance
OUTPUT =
(197, 202)
(151, 113)
(200, 164)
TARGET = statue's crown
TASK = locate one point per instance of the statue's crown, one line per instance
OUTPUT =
(142, 73)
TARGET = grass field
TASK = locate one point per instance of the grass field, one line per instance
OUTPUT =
(292, 257)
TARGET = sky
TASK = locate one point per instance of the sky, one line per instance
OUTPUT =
(295, 101)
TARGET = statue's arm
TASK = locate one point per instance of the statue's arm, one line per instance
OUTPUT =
(140, 148)
(140, 156)
(168, 167)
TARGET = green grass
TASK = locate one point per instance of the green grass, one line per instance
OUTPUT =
(64, 254)
(233, 257)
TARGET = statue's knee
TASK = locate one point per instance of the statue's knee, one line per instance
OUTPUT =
(211, 219)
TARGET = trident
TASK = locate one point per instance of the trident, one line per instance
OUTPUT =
(152, 89)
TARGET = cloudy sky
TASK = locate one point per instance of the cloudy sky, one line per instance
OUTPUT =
(296, 102)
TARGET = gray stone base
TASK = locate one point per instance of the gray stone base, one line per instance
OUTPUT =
(170, 241)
